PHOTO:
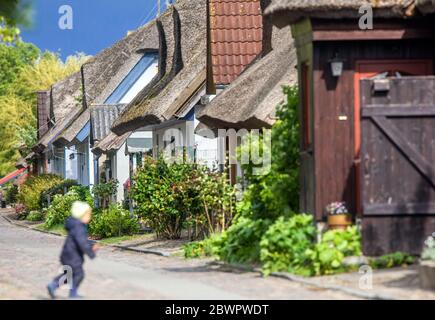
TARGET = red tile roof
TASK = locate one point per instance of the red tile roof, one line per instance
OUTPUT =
(236, 30)
(11, 176)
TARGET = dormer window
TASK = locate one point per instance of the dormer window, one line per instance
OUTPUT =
(137, 79)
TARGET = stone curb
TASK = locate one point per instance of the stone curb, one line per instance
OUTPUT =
(288, 276)
(145, 251)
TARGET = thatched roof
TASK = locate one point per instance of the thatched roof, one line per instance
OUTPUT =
(294, 10)
(111, 142)
(99, 76)
(182, 67)
(67, 136)
(250, 101)
(65, 105)
(104, 72)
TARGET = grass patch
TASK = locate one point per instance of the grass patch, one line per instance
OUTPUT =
(58, 228)
(119, 240)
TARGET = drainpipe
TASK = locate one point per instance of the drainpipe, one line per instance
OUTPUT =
(130, 200)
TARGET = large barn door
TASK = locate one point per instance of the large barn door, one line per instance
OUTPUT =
(397, 163)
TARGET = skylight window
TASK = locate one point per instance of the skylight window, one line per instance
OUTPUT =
(141, 75)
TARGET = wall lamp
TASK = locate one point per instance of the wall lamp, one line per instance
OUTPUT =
(336, 66)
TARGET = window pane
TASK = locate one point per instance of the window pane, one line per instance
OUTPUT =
(142, 74)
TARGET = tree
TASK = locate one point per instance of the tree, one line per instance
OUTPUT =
(47, 71)
(12, 59)
(12, 13)
(24, 71)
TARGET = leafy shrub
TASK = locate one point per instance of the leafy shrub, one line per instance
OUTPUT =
(204, 248)
(60, 208)
(241, 242)
(113, 221)
(215, 206)
(346, 241)
(59, 188)
(11, 194)
(31, 190)
(284, 245)
(276, 193)
(20, 210)
(105, 191)
(289, 245)
(35, 216)
(172, 196)
(390, 260)
(269, 196)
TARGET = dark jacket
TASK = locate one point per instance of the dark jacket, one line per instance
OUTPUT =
(76, 244)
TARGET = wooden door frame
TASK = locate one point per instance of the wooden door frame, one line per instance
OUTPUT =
(416, 67)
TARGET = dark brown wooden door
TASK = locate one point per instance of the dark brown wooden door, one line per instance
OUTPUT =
(397, 163)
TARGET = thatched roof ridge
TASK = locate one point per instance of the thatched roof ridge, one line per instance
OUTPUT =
(250, 101)
(182, 67)
(67, 136)
(294, 10)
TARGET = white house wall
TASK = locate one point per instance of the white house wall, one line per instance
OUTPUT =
(85, 166)
(121, 171)
(71, 164)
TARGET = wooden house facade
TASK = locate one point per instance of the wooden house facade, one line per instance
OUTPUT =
(338, 157)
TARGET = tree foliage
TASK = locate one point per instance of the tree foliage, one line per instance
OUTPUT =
(12, 13)
(25, 70)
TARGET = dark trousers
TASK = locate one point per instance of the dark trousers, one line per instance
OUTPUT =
(77, 277)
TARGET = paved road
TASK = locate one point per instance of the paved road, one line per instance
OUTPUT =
(29, 259)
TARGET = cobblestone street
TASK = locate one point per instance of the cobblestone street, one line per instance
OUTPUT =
(29, 259)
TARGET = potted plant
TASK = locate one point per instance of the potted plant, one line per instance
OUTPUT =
(427, 264)
(338, 216)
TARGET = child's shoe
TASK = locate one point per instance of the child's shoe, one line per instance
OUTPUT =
(74, 295)
(51, 288)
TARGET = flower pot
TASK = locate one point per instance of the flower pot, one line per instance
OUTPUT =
(426, 272)
(339, 221)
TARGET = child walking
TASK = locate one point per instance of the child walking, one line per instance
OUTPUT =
(74, 249)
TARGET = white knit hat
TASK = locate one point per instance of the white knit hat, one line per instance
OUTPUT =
(79, 209)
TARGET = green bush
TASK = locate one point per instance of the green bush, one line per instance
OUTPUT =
(59, 188)
(391, 260)
(289, 245)
(346, 241)
(241, 242)
(285, 244)
(170, 197)
(105, 191)
(35, 216)
(31, 190)
(276, 194)
(204, 248)
(268, 196)
(10, 194)
(112, 222)
(60, 208)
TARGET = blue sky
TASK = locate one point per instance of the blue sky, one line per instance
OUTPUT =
(97, 24)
